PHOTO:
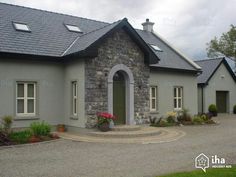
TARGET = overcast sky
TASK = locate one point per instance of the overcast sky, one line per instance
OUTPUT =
(187, 24)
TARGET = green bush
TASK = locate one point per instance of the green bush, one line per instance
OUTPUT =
(170, 119)
(40, 128)
(7, 123)
(204, 117)
(198, 120)
(213, 109)
(234, 110)
(21, 136)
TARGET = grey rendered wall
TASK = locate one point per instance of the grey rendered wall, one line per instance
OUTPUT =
(200, 92)
(219, 83)
(74, 71)
(50, 85)
(165, 81)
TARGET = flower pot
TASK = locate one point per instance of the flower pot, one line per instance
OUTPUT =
(104, 127)
(61, 128)
(34, 139)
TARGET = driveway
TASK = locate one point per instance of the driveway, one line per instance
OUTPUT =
(66, 158)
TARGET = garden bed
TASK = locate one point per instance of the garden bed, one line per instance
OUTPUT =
(37, 132)
(182, 118)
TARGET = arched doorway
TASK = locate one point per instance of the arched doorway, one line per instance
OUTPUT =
(121, 81)
(119, 103)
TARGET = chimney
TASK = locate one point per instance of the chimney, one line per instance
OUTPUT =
(148, 26)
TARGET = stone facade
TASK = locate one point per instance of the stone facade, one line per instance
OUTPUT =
(119, 48)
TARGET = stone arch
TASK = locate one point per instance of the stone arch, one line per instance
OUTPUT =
(129, 79)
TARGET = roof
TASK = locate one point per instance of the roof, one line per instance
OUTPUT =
(209, 67)
(169, 57)
(50, 37)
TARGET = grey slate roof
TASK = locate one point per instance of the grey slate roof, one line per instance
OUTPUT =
(168, 57)
(86, 40)
(49, 36)
(208, 68)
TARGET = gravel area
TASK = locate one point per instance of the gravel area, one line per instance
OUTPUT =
(65, 158)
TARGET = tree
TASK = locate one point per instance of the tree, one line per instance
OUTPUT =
(225, 45)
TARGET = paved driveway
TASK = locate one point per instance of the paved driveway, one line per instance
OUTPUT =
(77, 159)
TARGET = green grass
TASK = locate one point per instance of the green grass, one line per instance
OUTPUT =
(213, 172)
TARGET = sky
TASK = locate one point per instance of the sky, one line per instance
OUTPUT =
(186, 24)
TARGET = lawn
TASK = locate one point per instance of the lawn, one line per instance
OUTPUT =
(221, 172)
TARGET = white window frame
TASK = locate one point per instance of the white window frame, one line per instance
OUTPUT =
(178, 97)
(74, 98)
(26, 98)
(153, 98)
(73, 28)
(21, 27)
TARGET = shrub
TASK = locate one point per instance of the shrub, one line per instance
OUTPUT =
(40, 129)
(152, 120)
(184, 116)
(170, 119)
(7, 123)
(234, 109)
(213, 109)
(198, 120)
(204, 117)
(21, 136)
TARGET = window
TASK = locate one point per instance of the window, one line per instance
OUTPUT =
(74, 98)
(26, 98)
(21, 27)
(178, 97)
(153, 98)
(156, 48)
(73, 28)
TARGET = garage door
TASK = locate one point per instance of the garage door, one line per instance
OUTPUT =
(221, 101)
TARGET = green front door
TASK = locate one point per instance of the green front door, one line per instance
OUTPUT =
(221, 101)
(119, 98)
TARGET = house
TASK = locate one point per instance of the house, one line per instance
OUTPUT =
(64, 69)
(216, 85)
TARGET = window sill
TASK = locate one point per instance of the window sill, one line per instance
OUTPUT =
(154, 112)
(74, 118)
(25, 118)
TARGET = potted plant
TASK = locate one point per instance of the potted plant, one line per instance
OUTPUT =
(104, 120)
(213, 109)
(61, 128)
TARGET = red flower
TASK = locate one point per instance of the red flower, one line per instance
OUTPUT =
(105, 115)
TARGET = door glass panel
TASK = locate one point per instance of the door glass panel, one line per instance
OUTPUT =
(20, 106)
(20, 90)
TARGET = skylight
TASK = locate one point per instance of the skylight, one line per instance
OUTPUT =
(73, 28)
(156, 48)
(21, 26)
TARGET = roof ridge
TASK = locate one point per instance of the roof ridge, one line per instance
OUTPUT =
(208, 59)
(85, 35)
(58, 13)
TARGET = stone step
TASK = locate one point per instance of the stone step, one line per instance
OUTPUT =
(126, 128)
(142, 132)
